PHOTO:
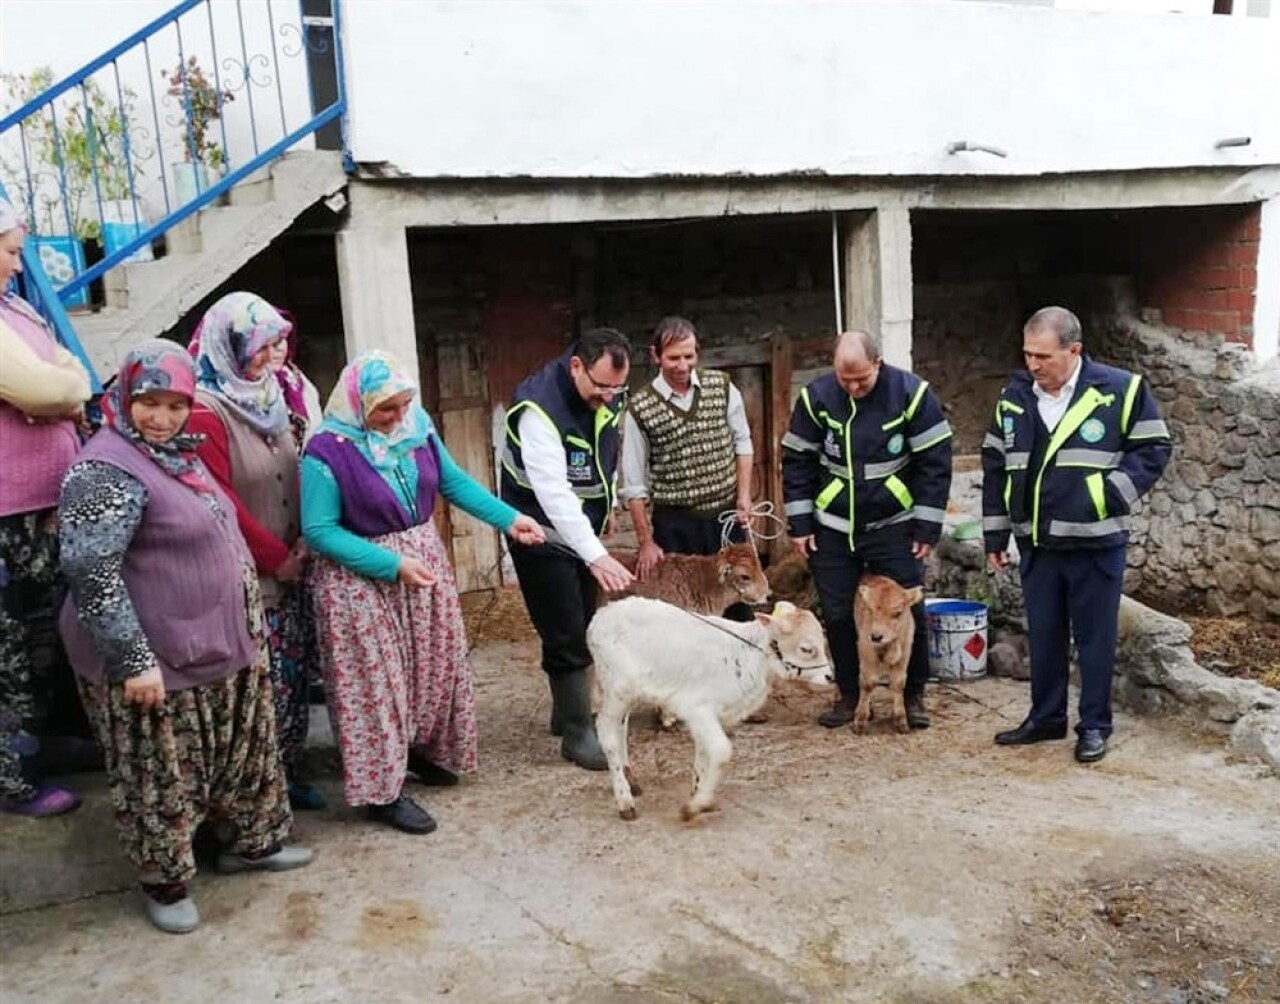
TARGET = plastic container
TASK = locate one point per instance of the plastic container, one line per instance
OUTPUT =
(957, 639)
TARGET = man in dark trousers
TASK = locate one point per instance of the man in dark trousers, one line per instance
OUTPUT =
(866, 471)
(558, 466)
(1072, 447)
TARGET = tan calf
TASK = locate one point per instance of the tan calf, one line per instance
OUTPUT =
(886, 627)
(707, 584)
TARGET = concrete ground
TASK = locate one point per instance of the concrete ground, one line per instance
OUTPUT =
(931, 867)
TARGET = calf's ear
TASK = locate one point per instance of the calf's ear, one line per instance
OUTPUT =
(914, 595)
(723, 570)
(764, 619)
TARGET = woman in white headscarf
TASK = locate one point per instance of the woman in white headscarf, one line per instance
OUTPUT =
(43, 389)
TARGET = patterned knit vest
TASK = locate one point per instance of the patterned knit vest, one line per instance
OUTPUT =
(691, 458)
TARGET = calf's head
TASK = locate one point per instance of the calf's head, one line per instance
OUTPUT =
(882, 610)
(797, 641)
(738, 565)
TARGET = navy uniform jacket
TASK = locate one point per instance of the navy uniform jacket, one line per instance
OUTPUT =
(590, 440)
(1074, 487)
(858, 466)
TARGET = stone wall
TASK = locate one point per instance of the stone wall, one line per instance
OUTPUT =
(1209, 534)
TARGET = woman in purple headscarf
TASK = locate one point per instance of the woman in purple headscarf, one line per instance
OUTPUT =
(164, 629)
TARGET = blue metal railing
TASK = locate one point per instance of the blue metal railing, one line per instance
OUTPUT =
(88, 156)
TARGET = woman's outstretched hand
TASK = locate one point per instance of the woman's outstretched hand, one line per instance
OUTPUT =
(525, 530)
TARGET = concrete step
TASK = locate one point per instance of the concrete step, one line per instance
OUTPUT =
(149, 298)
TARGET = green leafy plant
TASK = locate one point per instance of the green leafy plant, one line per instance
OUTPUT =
(201, 102)
(82, 133)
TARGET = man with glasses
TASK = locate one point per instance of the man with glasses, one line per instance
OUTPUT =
(558, 466)
(866, 471)
(686, 446)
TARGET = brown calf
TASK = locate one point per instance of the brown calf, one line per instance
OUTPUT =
(886, 627)
(707, 584)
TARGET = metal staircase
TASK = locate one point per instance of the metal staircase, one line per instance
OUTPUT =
(207, 128)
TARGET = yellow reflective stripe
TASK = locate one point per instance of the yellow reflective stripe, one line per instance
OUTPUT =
(893, 423)
(808, 405)
(1071, 421)
(916, 398)
(832, 422)
(1008, 490)
(514, 410)
(1130, 395)
(577, 441)
(828, 494)
(899, 491)
(1009, 406)
(1098, 493)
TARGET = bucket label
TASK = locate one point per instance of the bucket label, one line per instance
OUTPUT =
(975, 646)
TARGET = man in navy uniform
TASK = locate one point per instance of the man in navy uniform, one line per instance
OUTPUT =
(558, 466)
(866, 471)
(1072, 447)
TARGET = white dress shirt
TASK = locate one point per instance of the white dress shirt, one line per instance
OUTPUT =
(543, 453)
(634, 469)
(1053, 406)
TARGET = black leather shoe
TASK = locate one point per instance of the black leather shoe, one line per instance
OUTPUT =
(431, 774)
(840, 713)
(1091, 746)
(404, 814)
(917, 717)
(1030, 732)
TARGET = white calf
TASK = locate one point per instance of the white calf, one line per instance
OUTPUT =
(708, 672)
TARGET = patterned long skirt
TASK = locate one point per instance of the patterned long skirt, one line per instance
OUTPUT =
(208, 754)
(291, 644)
(396, 669)
(28, 589)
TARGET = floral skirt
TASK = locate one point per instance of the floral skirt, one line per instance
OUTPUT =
(28, 591)
(396, 670)
(207, 754)
(291, 645)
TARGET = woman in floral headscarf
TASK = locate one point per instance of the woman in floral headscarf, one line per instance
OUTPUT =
(42, 391)
(389, 626)
(164, 629)
(249, 447)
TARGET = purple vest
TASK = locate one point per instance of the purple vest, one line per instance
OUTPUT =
(369, 506)
(184, 570)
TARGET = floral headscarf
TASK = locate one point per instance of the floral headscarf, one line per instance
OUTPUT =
(366, 382)
(288, 376)
(9, 218)
(154, 365)
(231, 333)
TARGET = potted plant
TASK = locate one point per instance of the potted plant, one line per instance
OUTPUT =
(74, 155)
(201, 102)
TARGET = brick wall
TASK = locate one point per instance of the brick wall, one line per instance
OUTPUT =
(1198, 268)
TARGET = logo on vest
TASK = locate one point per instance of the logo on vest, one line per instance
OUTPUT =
(829, 445)
(1093, 430)
(579, 468)
(894, 446)
(1009, 437)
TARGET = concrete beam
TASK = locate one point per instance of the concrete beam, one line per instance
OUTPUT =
(877, 278)
(1266, 308)
(377, 293)
(487, 202)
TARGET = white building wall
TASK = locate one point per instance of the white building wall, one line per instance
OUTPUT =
(630, 89)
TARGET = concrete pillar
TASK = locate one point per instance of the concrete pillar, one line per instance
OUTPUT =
(377, 293)
(1266, 304)
(877, 278)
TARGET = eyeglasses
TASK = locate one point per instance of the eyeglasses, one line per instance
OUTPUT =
(605, 388)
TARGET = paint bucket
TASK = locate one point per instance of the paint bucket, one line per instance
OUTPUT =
(957, 639)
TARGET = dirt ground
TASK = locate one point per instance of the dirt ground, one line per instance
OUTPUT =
(932, 868)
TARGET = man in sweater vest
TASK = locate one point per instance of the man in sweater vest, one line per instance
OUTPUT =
(866, 471)
(686, 447)
(558, 466)
(1072, 447)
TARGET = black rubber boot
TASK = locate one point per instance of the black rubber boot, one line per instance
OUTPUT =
(571, 708)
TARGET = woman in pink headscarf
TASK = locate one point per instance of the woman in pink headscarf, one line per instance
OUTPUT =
(164, 629)
(42, 393)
